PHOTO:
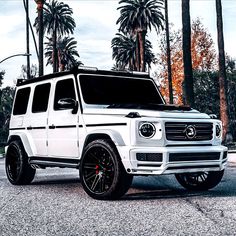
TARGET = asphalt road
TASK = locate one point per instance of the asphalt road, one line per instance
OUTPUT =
(55, 204)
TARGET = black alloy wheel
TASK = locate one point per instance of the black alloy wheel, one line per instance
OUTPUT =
(102, 173)
(200, 181)
(17, 167)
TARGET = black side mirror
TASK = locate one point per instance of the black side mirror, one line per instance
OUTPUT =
(68, 103)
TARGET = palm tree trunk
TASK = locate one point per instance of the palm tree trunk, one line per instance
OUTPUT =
(187, 57)
(55, 53)
(168, 54)
(142, 35)
(137, 52)
(41, 35)
(222, 70)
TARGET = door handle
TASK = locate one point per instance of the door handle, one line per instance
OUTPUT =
(52, 127)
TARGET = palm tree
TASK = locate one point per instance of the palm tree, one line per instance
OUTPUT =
(66, 52)
(187, 57)
(58, 21)
(168, 54)
(124, 52)
(136, 17)
(222, 70)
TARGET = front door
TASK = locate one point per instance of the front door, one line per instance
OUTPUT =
(62, 124)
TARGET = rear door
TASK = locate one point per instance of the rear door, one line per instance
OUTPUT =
(62, 124)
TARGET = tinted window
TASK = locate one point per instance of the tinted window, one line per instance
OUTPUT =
(41, 96)
(118, 90)
(64, 89)
(21, 101)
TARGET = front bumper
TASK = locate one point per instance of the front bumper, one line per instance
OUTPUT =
(171, 160)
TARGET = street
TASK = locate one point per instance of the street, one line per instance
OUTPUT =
(55, 204)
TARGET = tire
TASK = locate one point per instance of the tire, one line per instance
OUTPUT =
(200, 181)
(18, 170)
(102, 173)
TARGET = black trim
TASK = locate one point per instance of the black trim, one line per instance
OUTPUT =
(108, 124)
(65, 126)
(31, 128)
(192, 167)
(81, 126)
(54, 162)
(77, 71)
(17, 129)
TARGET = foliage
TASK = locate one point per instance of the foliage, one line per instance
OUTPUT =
(33, 72)
(203, 56)
(136, 18)
(6, 99)
(58, 21)
(124, 51)
(66, 51)
(2, 73)
(206, 90)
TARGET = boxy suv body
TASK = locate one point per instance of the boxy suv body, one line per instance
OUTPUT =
(111, 126)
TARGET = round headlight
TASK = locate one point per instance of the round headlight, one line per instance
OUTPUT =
(218, 130)
(147, 130)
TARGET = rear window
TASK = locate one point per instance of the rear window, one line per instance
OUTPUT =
(108, 90)
(21, 101)
(41, 96)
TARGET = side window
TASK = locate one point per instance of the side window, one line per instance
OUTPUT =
(21, 101)
(41, 96)
(64, 89)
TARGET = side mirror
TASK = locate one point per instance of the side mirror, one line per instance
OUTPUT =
(68, 103)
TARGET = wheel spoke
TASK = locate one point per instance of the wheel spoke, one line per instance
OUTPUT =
(91, 166)
(95, 182)
(90, 176)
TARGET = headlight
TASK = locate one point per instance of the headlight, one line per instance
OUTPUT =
(147, 130)
(218, 130)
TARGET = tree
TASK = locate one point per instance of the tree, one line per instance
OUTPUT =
(187, 58)
(124, 51)
(222, 70)
(168, 53)
(32, 73)
(58, 21)
(136, 18)
(66, 52)
(203, 58)
(2, 73)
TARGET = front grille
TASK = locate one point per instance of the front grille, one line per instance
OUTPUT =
(207, 156)
(179, 131)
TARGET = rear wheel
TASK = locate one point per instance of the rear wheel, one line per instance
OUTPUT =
(102, 173)
(201, 180)
(17, 167)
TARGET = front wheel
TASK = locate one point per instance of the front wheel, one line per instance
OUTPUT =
(17, 167)
(101, 171)
(200, 181)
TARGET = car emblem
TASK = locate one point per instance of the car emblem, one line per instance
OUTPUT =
(190, 132)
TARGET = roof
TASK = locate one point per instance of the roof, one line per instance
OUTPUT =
(84, 70)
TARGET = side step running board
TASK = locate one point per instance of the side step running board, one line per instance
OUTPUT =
(43, 162)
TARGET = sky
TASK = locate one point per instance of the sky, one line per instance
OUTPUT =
(95, 28)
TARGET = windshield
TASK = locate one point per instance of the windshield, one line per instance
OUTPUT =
(118, 91)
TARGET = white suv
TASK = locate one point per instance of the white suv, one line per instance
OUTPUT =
(111, 126)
